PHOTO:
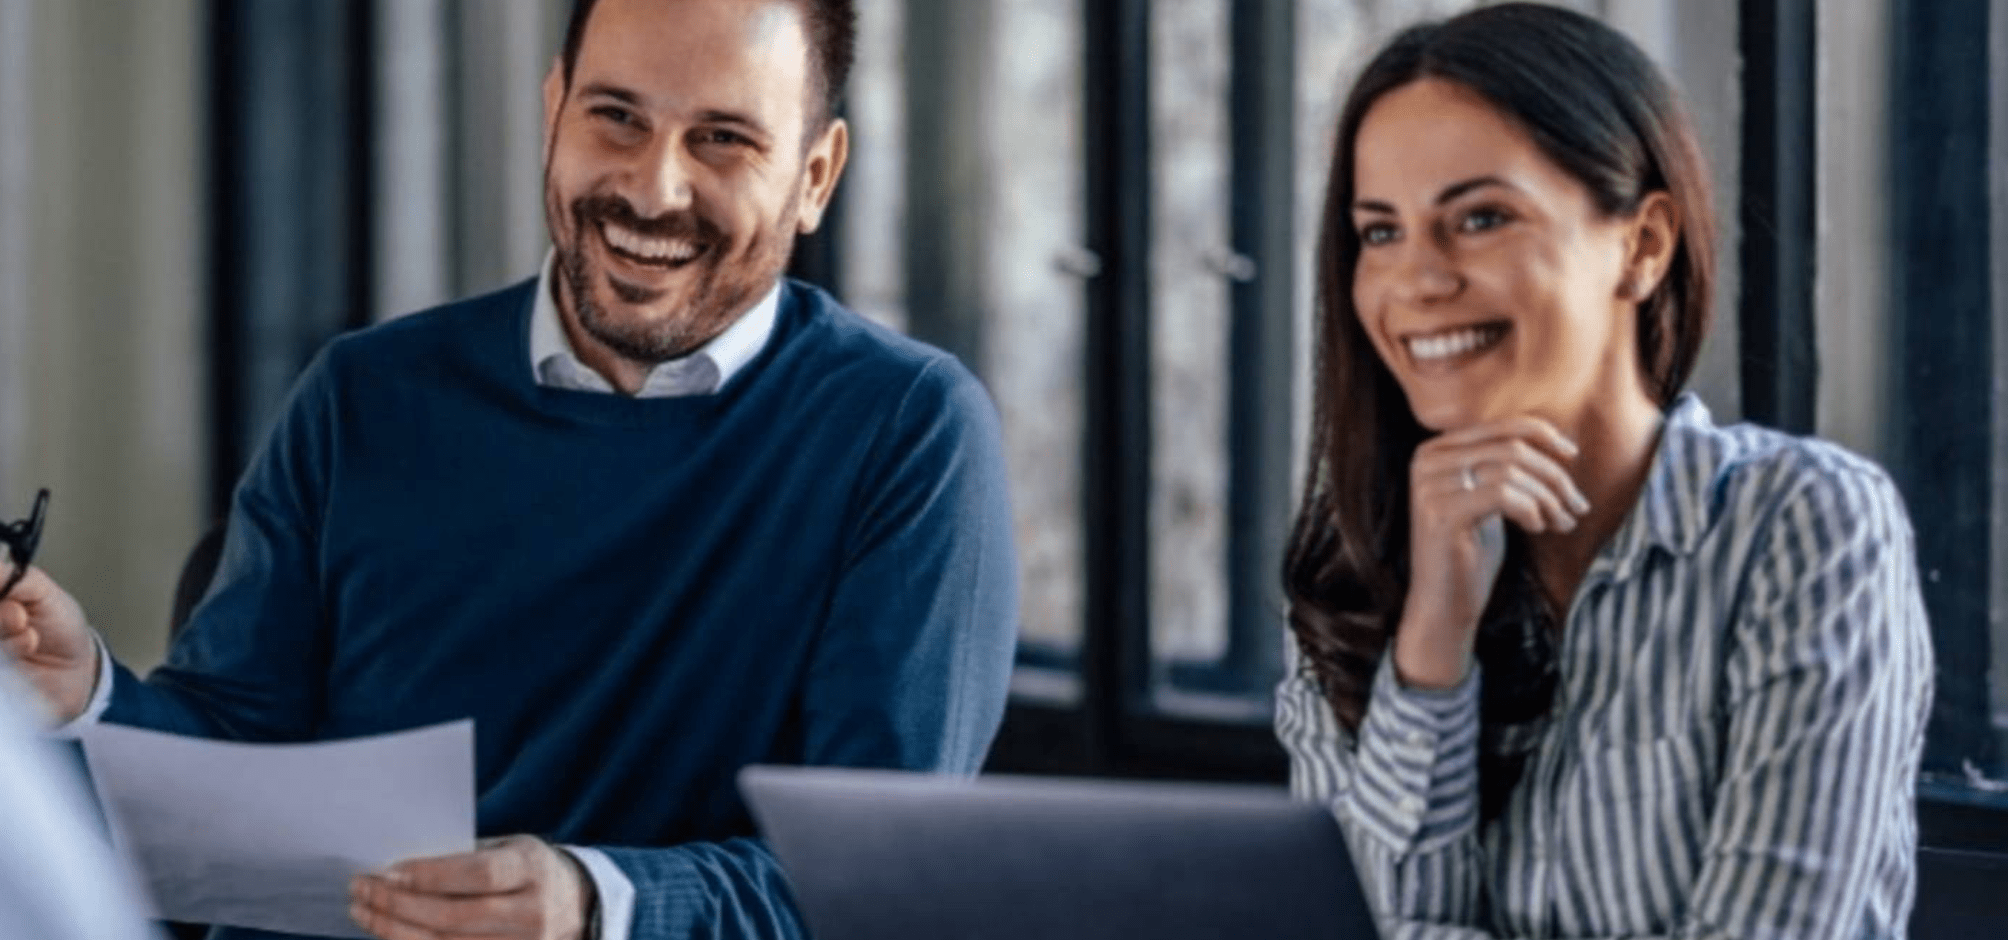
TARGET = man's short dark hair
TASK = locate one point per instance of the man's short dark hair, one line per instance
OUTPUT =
(832, 26)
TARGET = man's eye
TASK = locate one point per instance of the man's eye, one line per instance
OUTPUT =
(1376, 233)
(1483, 220)
(723, 137)
(617, 115)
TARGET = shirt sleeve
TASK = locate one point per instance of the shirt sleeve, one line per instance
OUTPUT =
(616, 892)
(1829, 684)
(101, 697)
(1404, 790)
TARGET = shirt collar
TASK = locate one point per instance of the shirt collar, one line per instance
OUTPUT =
(1677, 507)
(553, 361)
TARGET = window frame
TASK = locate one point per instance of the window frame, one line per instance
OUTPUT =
(1113, 724)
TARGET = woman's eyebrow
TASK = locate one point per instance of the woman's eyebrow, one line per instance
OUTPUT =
(1480, 182)
(1449, 193)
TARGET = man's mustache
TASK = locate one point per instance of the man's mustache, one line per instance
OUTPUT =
(682, 225)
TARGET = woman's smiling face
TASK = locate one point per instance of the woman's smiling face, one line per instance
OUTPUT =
(1488, 280)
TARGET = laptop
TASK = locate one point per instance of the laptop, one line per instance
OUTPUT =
(887, 855)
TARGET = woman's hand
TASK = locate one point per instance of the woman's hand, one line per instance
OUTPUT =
(1463, 486)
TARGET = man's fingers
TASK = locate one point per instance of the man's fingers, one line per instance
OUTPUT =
(450, 915)
(385, 927)
(15, 635)
(21, 645)
(388, 927)
(495, 869)
(35, 587)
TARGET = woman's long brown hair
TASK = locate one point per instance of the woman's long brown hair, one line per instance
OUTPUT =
(1596, 106)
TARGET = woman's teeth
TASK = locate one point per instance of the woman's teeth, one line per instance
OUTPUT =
(1454, 343)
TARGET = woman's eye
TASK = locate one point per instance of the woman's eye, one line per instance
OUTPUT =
(1376, 233)
(1482, 220)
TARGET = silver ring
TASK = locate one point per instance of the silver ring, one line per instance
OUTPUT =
(1470, 478)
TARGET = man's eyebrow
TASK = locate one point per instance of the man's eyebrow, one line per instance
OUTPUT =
(603, 90)
(744, 121)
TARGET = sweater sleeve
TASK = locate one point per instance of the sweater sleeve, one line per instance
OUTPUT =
(912, 657)
(251, 662)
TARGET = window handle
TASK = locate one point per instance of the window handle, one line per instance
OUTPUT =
(1231, 265)
(1078, 261)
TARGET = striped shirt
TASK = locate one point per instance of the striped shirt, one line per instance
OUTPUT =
(1745, 674)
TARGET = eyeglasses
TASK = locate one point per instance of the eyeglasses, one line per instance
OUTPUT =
(21, 539)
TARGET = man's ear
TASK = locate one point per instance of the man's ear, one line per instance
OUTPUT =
(554, 101)
(1649, 246)
(822, 167)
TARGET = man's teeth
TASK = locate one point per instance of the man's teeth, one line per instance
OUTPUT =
(1457, 342)
(665, 250)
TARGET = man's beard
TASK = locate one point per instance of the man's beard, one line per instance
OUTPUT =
(723, 285)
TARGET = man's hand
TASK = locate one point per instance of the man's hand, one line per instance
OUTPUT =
(44, 630)
(517, 887)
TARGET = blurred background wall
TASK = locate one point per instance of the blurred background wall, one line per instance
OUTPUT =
(102, 301)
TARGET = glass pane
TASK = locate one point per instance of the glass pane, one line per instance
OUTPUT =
(1191, 258)
(874, 184)
(1035, 309)
(958, 230)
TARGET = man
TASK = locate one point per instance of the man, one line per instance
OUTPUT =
(652, 517)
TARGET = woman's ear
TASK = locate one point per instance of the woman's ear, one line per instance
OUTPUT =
(1649, 246)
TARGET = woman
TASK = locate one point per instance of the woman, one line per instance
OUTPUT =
(1568, 660)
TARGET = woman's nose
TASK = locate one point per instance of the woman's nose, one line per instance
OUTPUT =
(1426, 275)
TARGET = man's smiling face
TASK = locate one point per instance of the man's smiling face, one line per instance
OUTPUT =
(681, 165)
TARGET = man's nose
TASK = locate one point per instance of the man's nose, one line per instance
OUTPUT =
(665, 180)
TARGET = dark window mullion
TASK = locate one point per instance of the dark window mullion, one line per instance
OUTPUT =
(1942, 308)
(290, 151)
(1116, 445)
(1780, 368)
(1262, 106)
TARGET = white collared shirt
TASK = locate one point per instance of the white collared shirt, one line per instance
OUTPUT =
(705, 370)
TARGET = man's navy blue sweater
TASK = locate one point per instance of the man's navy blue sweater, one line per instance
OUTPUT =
(633, 598)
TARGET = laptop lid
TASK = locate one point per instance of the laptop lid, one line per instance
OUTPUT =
(885, 854)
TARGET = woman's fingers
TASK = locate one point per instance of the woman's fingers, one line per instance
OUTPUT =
(1526, 428)
(1521, 498)
(1504, 473)
(1452, 505)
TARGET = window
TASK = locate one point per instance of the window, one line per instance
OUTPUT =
(1107, 208)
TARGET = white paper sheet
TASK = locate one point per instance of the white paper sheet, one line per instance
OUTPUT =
(268, 835)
